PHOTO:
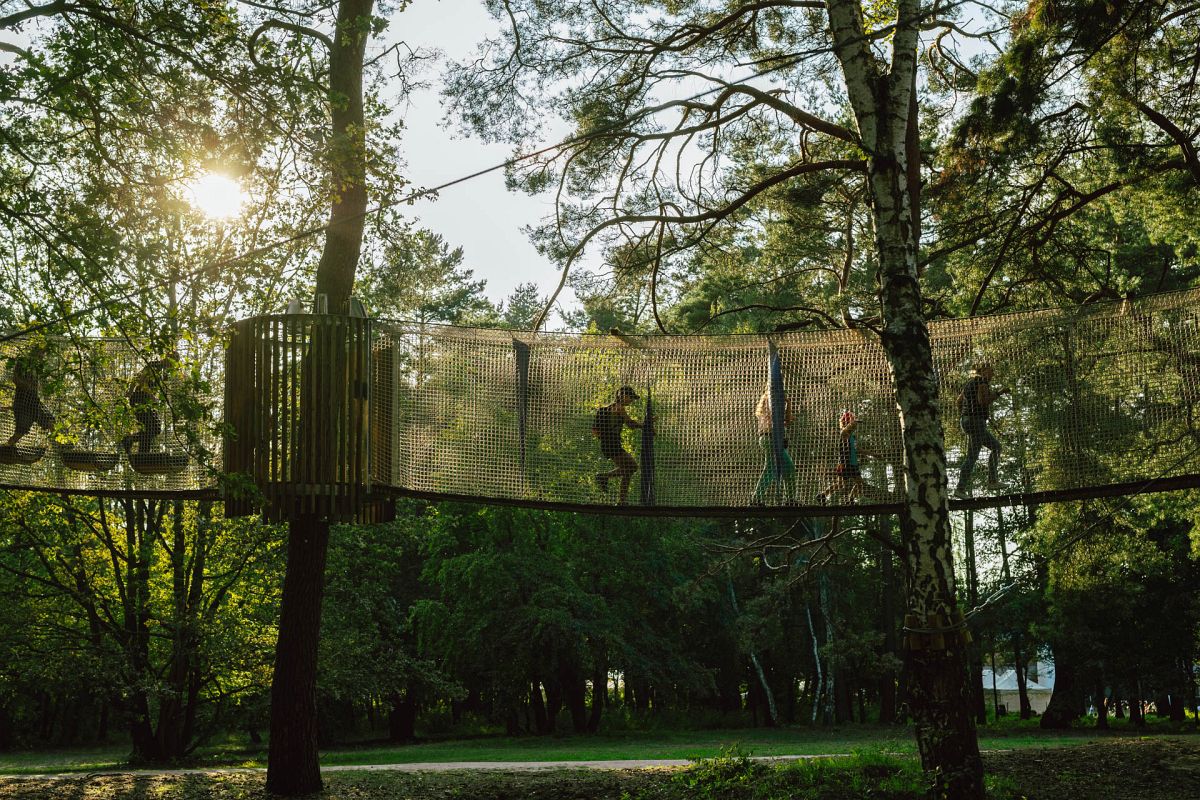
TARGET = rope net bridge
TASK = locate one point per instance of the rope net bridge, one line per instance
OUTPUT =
(330, 415)
(105, 416)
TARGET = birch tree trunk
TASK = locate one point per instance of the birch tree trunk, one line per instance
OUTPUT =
(292, 765)
(884, 103)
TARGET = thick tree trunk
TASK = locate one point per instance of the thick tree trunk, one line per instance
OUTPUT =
(887, 571)
(402, 718)
(1184, 688)
(1066, 703)
(143, 520)
(102, 723)
(939, 695)
(599, 696)
(1101, 707)
(292, 767)
(538, 705)
(843, 699)
(884, 103)
(347, 216)
(1137, 711)
(975, 652)
(574, 691)
(1022, 681)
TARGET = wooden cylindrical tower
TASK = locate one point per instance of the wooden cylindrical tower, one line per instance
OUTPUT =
(297, 417)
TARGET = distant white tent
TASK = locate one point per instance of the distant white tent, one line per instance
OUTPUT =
(1007, 695)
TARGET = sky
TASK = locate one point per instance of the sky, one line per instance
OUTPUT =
(481, 216)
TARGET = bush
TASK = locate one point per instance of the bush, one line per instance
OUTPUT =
(734, 776)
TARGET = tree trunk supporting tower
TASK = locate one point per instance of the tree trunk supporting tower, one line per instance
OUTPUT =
(292, 765)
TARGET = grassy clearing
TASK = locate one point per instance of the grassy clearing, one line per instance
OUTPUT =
(1156, 768)
(1010, 734)
(728, 778)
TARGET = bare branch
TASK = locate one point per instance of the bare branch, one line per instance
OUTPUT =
(33, 12)
(296, 28)
(1178, 136)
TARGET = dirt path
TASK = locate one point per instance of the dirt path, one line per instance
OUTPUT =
(1127, 769)
(425, 766)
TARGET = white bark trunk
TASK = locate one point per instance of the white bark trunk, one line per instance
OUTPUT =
(881, 97)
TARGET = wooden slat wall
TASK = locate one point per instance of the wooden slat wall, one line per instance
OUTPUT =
(298, 402)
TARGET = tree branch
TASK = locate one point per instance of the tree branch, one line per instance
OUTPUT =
(48, 10)
(296, 28)
(684, 219)
(1178, 136)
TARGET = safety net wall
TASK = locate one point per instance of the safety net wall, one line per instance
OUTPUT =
(107, 416)
(1101, 395)
(325, 414)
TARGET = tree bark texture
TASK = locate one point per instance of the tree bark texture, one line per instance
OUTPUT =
(402, 718)
(975, 652)
(1066, 703)
(887, 683)
(292, 767)
(347, 155)
(541, 722)
(599, 695)
(881, 96)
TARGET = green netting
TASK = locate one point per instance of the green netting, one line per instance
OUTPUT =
(103, 416)
(1103, 396)
(1099, 396)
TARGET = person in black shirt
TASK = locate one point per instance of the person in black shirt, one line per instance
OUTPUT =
(609, 422)
(847, 475)
(974, 410)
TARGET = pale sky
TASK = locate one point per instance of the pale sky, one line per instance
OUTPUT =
(481, 216)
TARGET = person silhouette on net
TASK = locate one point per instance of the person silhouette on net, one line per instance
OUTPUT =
(143, 397)
(610, 421)
(28, 408)
(974, 412)
(773, 474)
(847, 475)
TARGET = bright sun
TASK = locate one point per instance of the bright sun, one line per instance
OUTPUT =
(216, 195)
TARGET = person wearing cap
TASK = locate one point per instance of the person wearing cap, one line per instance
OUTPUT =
(770, 476)
(974, 411)
(847, 475)
(143, 397)
(610, 421)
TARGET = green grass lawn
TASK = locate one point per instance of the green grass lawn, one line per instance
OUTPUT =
(1114, 768)
(658, 744)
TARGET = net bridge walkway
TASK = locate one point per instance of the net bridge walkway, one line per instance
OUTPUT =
(338, 415)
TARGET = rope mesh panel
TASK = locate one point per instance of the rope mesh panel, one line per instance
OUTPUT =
(1102, 396)
(99, 416)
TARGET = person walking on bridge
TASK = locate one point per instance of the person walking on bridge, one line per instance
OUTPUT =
(974, 414)
(27, 407)
(610, 421)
